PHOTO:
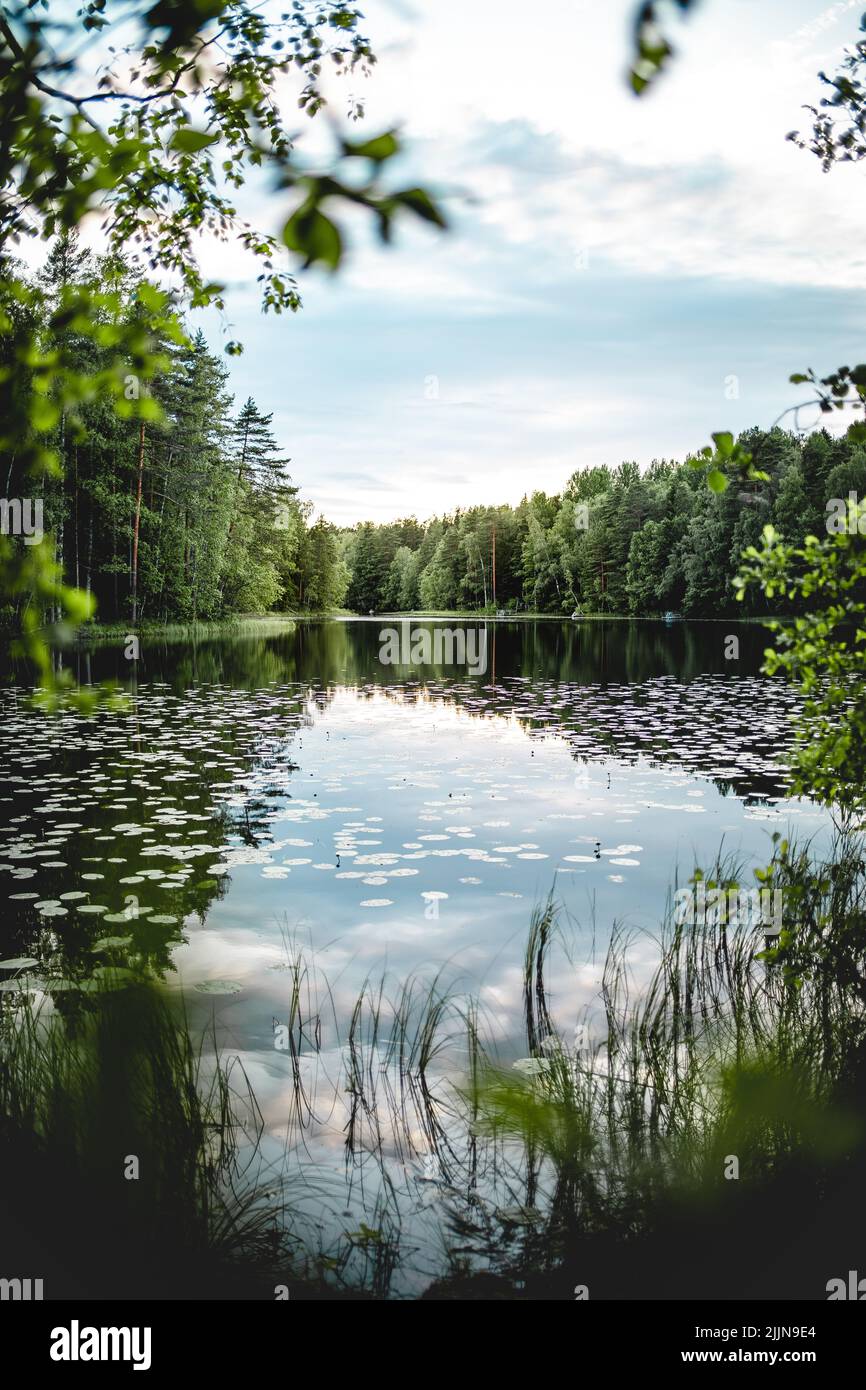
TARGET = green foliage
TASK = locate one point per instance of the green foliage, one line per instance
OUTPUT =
(117, 1073)
(824, 933)
(652, 48)
(158, 142)
(823, 649)
(160, 503)
(628, 1134)
(839, 121)
(843, 389)
(161, 142)
(615, 540)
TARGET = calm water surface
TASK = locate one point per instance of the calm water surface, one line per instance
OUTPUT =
(261, 800)
(293, 785)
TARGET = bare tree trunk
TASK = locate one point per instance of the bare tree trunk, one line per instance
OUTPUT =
(114, 539)
(58, 556)
(137, 524)
(89, 550)
(77, 567)
(159, 530)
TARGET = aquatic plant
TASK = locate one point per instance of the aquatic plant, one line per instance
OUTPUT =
(671, 1147)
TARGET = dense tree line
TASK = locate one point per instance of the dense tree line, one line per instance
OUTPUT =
(616, 540)
(184, 510)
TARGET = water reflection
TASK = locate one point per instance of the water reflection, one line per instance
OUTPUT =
(321, 848)
(292, 780)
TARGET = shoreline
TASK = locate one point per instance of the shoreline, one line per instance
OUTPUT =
(261, 623)
(264, 624)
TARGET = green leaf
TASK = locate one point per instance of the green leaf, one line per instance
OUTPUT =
(724, 443)
(717, 480)
(187, 141)
(149, 409)
(380, 148)
(314, 236)
(419, 202)
(44, 414)
(151, 297)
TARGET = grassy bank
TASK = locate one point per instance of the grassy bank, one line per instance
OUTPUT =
(245, 625)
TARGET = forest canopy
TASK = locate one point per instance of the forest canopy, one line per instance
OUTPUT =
(175, 502)
(616, 540)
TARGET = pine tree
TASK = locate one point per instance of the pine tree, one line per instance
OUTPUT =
(368, 571)
(257, 458)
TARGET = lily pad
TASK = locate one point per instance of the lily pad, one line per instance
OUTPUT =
(21, 982)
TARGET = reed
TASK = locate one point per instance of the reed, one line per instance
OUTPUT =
(704, 1136)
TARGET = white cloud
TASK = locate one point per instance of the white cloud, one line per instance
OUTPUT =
(611, 262)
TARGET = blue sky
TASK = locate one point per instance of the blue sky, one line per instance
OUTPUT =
(621, 278)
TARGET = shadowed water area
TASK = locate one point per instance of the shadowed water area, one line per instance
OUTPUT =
(278, 822)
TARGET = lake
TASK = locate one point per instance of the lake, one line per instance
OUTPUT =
(280, 823)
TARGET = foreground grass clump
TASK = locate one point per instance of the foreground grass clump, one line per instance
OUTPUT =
(113, 1089)
(711, 1142)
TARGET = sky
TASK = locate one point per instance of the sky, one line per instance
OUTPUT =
(621, 277)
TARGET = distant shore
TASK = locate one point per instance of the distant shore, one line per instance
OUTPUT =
(253, 624)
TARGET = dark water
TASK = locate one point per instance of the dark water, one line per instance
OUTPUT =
(253, 787)
(260, 801)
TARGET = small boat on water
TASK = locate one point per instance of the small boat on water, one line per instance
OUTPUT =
(673, 617)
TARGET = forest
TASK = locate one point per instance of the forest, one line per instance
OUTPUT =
(182, 507)
(186, 512)
(616, 540)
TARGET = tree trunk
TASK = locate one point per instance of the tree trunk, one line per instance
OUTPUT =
(137, 524)
(114, 538)
(77, 567)
(90, 550)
